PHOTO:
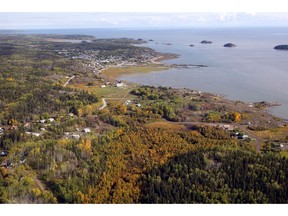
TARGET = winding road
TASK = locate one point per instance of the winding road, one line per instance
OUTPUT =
(104, 104)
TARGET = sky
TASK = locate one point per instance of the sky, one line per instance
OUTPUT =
(33, 14)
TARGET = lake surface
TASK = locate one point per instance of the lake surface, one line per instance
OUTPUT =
(252, 71)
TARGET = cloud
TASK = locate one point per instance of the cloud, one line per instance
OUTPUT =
(143, 20)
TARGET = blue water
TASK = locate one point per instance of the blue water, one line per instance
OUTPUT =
(252, 71)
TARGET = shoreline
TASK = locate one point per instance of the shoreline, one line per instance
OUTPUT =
(154, 64)
(113, 73)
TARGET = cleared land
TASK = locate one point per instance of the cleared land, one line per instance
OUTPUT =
(115, 72)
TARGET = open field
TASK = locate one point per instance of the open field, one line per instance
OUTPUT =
(115, 72)
(165, 125)
(279, 133)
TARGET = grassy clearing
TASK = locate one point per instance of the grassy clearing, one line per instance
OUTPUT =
(114, 73)
(273, 134)
(165, 125)
(110, 93)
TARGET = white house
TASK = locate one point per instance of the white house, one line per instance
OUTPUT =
(75, 136)
(127, 102)
(86, 130)
(51, 119)
(33, 134)
(120, 84)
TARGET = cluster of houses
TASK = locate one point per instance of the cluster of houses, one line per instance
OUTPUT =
(98, 62)
(46, 120)
(233, 132)
(77, 134)
(8, 163)
(128, 102)
(118, 84)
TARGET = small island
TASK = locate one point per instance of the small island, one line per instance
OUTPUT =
(205, 42)
(229, 45)
(191, 45)
(281, 47)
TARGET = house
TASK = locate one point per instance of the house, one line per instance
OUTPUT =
(22, 161)
(51, 119)
(75, 136)
(33, 134)
(42, 121)
(3, 153)
(120, 84)
(1, 130)
(86, 130)
(127, 102)
(71, 114)
(138, 105)
(250, 105)
(103, 86)
(240, 136)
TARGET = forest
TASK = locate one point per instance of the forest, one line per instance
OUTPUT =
(163, 145)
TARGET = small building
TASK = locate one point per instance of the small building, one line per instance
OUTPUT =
(120, 84)
(33, 134)
(240, 136)
(51, 119)
(103, 86)
(86, 130)
(3, 153)
(1, 130)
(138, 105)
(42, 121)
(250, 105)
(75, 136)
(22, 161)
(245, 136)
(127, 102)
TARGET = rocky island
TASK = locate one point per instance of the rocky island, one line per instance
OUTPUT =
(206, 42)
(229, 45)
(281, 47)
